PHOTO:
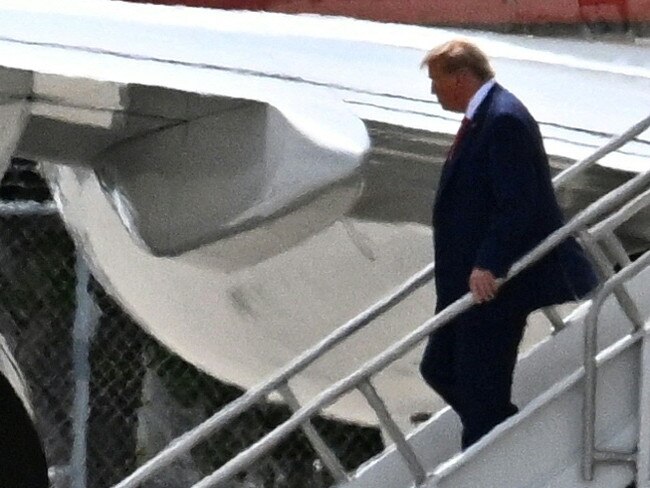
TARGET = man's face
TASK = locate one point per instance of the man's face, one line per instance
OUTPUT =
(445, 86)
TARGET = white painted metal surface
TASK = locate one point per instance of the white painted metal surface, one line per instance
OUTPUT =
(188, 150)
(111, 79)
(542, 445)
(361, 378)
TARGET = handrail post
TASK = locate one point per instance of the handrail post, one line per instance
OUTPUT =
(326, 454)
(589, 401)
(615, 247)
(378, 405)
(554, 318)
(590, 454)
(643, 446)
(603, 266)
(606, 271)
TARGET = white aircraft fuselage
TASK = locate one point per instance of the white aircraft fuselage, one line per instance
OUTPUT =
(208, 164)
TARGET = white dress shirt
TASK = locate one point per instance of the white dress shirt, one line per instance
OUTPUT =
(478, 98)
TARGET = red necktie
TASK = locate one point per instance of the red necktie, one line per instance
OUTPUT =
(464, 126)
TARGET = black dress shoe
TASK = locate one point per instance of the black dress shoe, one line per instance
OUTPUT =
(419, 417)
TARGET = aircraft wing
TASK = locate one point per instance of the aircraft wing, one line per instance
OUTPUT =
(187, 143)
(231, 141)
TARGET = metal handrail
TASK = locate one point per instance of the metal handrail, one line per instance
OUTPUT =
(590, 364)
(23, 208)
(579, 167)
(605, 271)
(604, 231)
(602, 206)
(626, 212)
(188, 440)
(322, 449)
(615, 247)
(615, 143)
(400, 348)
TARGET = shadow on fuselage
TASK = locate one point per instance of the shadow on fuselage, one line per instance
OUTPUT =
(404, 168)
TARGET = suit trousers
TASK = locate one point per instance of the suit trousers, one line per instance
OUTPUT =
(470, 364)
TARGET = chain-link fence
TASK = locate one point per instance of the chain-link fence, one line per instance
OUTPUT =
(106, 395)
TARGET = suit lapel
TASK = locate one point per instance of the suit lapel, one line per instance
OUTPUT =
(451, 165)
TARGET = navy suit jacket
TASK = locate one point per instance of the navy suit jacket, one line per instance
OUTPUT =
(495, 202)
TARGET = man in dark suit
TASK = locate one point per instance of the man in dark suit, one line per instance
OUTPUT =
(495, 202)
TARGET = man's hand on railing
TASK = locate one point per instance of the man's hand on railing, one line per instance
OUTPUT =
(483, 285)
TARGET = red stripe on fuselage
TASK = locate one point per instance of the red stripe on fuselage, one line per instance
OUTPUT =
(455, 12)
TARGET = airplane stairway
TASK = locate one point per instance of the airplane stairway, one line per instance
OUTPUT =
(542, 446)
(583, 393)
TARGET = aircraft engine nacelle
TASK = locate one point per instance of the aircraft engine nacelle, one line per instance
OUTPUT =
(184, 169)
(223, 173)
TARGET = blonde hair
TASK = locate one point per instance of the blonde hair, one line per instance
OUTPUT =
(459, 54)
